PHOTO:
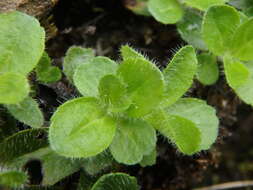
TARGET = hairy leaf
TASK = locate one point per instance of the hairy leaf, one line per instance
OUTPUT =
(134, 138)
(219, 25)
(145, 85)
(80, 128)
(115, 181)
(27, 112)
(165, 11)
(22, 40)
(179, 74)
(13, 179)
(204, 4)
(13, 88)
(128, 52)
(87, 76)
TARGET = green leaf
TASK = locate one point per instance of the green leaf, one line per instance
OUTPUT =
(115, 181)
(80, 128)
(52, 165)
(128, 52)
(242, 45)
(208, 71)
(87, 76)
(46, 72)
(165, 11)
(27, 112)
(204, 4)
(179, 74)
(201, 114)
(139, 7)
(13, 88)
(149, 160)
(134, 138)
(85, 181)
(240, 78)
(219, 25)
(22, 40)
(113, 93)
(22, 143)
(181, 131)
(142, 78)
(236, 72)
(189, 29)
(75, 57)
(13, 179)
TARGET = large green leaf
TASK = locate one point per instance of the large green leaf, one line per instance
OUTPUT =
(114, 94)
(13, 178)
(75, 57)
(27, 112)
(116, 181)
(165, 11)
(13, 88)
(145, 85)
(202, 115)
(22, 42)
(219, 25)
(242, 45)
(80, 128)
(87, 76)
(204, 4)
(179, 74)
(134, 138)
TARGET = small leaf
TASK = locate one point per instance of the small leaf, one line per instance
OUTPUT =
(128, 52)
(114, 94)
(190, 29)
(204, 4)
(80, 128)
(23, 40)
(236, 72)
(27, 112)
(165, 11)
(242, 45)
(139, 7)
(149, 160)
(22, 143)
(208, 71)
(115, 181)
(134, 138)
(142, 78)
(46, 72)
(179, 74)
(13, 88)
(87, 76)
(13, 179)
(75, 57)
(201, 114)
(219, 25)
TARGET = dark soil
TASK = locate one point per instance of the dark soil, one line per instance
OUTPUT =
(105, 26)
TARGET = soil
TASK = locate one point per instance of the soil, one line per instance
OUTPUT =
(105, 26)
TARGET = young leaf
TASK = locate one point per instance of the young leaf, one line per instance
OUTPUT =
(46, 72)
(129, 53)
(202, 115)
(149, 160)
(115, 181)
(139, 7)
(134, 138)
(75, 57)
(22, 143)
(218, 28)
(204, 4)
(13, 179)
(87, 76)
(80, 128)
(13, 88)
(236, 72)
(189, 29)
(208, 71)
(27, 112)
(179, 74)
(23, 39)
(165, 11)
(113, 93)
(242, 45)
(145, 85)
